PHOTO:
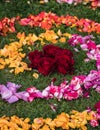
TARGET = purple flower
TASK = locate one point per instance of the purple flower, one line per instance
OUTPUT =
(93, 80)
(12, 99)
(9, 93)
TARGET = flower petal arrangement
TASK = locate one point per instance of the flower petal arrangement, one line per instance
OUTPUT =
(46, 60)
(79, 86)
(52, 58)
(74, 119)
(48, 21)
(49, 65)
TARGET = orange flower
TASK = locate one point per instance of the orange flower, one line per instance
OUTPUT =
(13, 56)
(45, 127)
(46, 24)
(20, 35)
(62, 120)
(38, 122)
(2, 63)
(14, 123)
(50, 123)
(76, 120)
(49, 35)
(62, 39)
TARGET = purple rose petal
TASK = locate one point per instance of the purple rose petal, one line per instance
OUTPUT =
(12, 99)
(6, 93)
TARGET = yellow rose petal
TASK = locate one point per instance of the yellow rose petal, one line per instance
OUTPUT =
(35, 75)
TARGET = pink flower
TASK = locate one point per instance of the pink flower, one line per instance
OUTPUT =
(50, 91)
(65, 1)
(86, 94)
(71, 95)
(33, 93)
(91, 45)
(94, 123)
(1, 25)
(24, 21)
(98, 64)
(78, 80)
(93, 80)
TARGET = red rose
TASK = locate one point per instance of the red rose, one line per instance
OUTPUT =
(46, 65)
(64, 64)
(97, 106)
(35, 57)
(66, 52)
(51, 50)
(52, 58)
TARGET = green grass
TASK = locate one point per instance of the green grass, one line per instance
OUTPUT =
(41, 107)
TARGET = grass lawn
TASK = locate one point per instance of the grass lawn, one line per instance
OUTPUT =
(41, 107)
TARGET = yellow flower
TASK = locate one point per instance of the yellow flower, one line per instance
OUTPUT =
(20, 35)
(61, 120)
(62, 39)
(2, 63)
(59, 33)
(83, 127)
(27, 120)
(67, 35)
(29, 48)
(14, 123)
(38, 122)
(76, 120)
(50, 123)
(45, 127)
(35, 75)
(30, 39)
(73, 25)
(13, 57)
(71, 124)
(49, 35)
(54, 41)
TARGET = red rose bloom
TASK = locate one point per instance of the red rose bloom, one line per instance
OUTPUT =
(64, 64)
(51, 50)
(65, 61)
(46, 65)
(66, 52)
(52, 58)
(35, 57)
(97, 106)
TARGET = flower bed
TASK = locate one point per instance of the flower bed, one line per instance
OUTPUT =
(50, 59)
(67, 121)
(39, 52)
(48, 21)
